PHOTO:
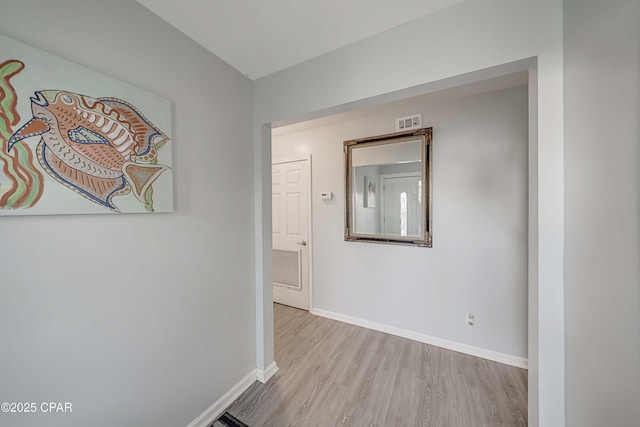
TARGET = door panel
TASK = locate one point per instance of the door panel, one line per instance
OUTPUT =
(401, 205)
(290, 233)
(293, 214)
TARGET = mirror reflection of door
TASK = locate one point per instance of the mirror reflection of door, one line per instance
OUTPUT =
(397, 211)
(401, 203)
(290, 227)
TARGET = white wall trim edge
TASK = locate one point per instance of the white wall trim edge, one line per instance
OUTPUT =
(507, 359)
(264, 376)
(219, 406)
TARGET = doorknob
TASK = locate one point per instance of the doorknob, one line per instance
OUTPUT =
(303, 243)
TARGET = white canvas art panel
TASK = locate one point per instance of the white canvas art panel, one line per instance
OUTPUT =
(75, 141)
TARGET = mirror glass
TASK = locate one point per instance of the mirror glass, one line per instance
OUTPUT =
(388, 188)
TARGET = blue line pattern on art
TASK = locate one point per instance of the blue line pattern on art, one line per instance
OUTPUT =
(82, 135)
(91, 196)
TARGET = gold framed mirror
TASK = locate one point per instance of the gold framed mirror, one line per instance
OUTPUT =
(388, 188)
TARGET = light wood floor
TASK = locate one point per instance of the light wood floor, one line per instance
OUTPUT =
(336, 374)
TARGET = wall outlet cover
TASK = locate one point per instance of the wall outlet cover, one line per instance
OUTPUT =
(471, 319)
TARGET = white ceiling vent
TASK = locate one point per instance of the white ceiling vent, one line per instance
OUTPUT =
(409, 122)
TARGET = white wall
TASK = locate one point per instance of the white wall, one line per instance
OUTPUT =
(469, 36)
(602, 264)
(365, 220)
(138, 320)
(478, 262)
(408, 151)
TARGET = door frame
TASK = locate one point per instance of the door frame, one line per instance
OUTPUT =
(545, 336)
(382, 189)
(305, 157)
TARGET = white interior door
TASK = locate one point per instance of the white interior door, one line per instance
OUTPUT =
(291, 233)
(401, 204)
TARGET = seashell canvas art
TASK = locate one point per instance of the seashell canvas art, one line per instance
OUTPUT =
(75, 141)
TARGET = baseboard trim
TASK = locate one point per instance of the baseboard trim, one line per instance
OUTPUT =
(265, 375)
(214, 411)
(507, 359)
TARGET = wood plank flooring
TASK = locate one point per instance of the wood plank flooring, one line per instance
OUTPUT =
(336, 374)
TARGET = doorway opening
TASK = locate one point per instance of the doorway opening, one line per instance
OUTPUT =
(326, 118)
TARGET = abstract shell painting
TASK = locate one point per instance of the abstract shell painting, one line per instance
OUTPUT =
(73, 140)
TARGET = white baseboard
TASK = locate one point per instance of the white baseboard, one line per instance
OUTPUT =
(507, 359)
(264, 376)
(214, 411)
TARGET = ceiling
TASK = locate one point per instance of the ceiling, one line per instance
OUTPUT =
(260, 37)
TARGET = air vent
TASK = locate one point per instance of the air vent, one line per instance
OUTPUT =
(286, 268)
(409, 122)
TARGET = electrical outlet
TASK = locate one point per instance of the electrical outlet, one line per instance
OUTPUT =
(471, 319)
